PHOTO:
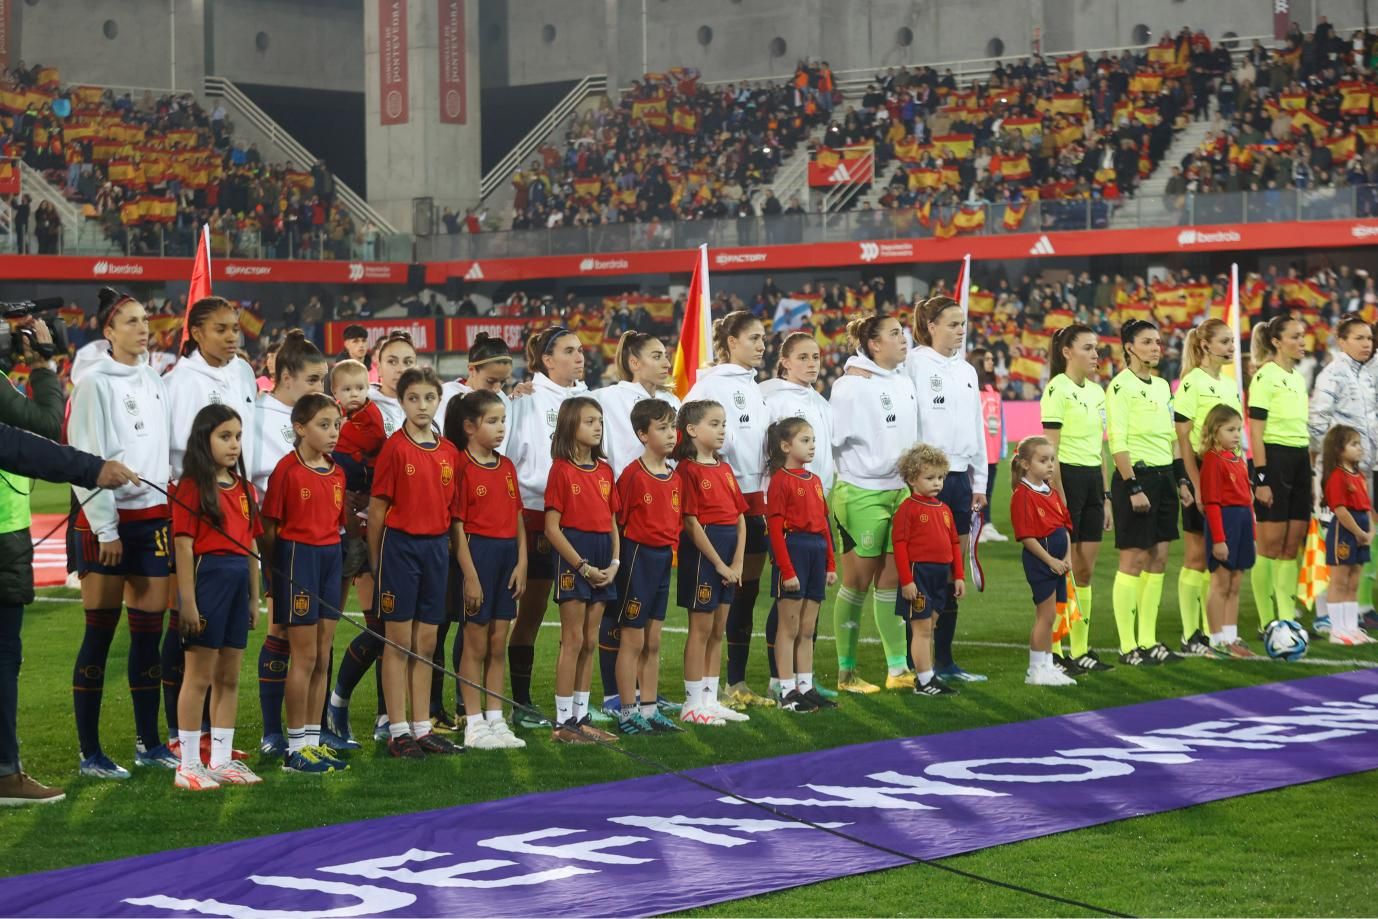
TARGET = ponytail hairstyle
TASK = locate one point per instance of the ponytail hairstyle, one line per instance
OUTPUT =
(976, 357)
(201, 311)
(486, 349)
(1348, 324)
(1336, 439)
(692, 413)
(792, 341)
(541, 344)
(863, 330)
(630, 345)
(1130, 331)
(199, 463)
(777, 435)
(309, 406)
(1063, 339)
(1194, 347)
(1024, 454)
(392, 338)
(562, 446)
(294, 354)
(1261, 344)
(929, 311)
(469, 407)
(413, 376)
(1219, 416)
(108, 303)
(733, 325)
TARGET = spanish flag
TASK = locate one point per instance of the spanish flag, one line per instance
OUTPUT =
(686, 120)
(695, 348)
(1068, 104)
(1304, 120)
(1147, 83)
(1014, 216)
(1027, 369)
(958, 146)
(250, 323)
(1015, 168)
(200, 275)
(969, 220)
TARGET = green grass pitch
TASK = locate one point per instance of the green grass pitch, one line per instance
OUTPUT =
(1307, 850)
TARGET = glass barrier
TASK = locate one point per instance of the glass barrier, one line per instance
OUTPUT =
(157, 241)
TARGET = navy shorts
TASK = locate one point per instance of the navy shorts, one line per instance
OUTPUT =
(1042, 581)
(540, 557)
(934, 582)
(410, 580)
(222, 599)
(757, 538)
(1342, 548)
(494, 560)
(305, 582)
(147, 551)
(1239, 539)
(700, 588)
(809, 553)
(570, 584)
(643, 584)
(956, 494)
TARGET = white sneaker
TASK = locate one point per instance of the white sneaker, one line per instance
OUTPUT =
(1341, 637)
(726, 714)
(503, 736)
(195, 778)
(695, 715)
(479, 736)
(1047, 676)
(990, 534)
(235, 773)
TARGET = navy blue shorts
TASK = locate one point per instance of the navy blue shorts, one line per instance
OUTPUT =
(809, 553)
(1042, 581)
(305, 582)
(700, 588)
(222, 599)
(1341, 548)
(934, 583)
(956, 494)
(570, 584)
(757, 537)
(643, 584)
(540, 558)
(494, 560)
(1239, 539)
(147, 546)
(410, 581)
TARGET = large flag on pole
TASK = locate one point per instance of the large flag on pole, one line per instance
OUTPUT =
(1238, 332)
(964, 287)
(200, 277)
(695, 348)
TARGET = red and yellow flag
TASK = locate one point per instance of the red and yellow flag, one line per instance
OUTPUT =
(695, 348)
(200, 275)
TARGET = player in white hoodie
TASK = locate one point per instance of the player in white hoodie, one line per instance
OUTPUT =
(209, 370)
(950, 418)
(300, 369)
(739, 347)
(556, 358)
(793, 394)
(875, 416)
(643, 368)
(120, 412)
(490, 366)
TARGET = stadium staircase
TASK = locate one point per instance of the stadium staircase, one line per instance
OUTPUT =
(33, 184)
(1148, 207)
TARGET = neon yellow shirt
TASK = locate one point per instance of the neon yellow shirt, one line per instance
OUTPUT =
(1282, 393)
(1081, 412)
(1140, 418)
(1200, 392)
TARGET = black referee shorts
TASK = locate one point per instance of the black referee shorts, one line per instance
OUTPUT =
(1193, 521)
(1289, 477)
(1085, 489)
(1159, 524)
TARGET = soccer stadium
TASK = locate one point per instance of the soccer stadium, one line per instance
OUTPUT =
(688, 457)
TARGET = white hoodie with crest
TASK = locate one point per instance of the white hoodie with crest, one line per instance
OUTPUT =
(530, 426)
(192, 384)
(874, 420)
(790, 400)
(950, 416)
(734, 387)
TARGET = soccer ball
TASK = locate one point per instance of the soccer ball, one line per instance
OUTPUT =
(1285, 640)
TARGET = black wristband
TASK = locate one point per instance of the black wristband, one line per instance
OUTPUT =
(1179, 468)
(1260, 475)
(1107, 496)
(1134, 487)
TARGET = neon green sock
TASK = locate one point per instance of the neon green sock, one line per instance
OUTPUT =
(1081, 631)
(1150, 598)
(1285, 573)
(1365, 597)
(847, 626)
(1205, 598)
(1125, 598)
(891, 628)
(1261, 580)
(1189, 586)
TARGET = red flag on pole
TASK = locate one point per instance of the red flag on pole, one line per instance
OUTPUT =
(695, 348)
(200, 277)
(964, 287)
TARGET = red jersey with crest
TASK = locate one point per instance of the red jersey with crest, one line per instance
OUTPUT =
(239, 530)
(362, 434)
(651, 508)
(1036, 515)
(489, 503)
(1346, 489)
(1224, 483)
(421, 482)
(584, 496)
(307, 503)
(923, 531)
(711, 493)
(795, 504)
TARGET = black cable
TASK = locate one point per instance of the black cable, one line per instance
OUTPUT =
(66, 518)
(665, 769)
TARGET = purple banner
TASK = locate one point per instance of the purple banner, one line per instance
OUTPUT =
(659, 844)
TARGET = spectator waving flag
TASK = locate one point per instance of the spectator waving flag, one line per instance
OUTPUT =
(790, 314)
(200, 276)
(695, 348)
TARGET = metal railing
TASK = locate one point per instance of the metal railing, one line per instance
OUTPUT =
(33, 183)
(496, 177)
(92, 237)
(219, 87)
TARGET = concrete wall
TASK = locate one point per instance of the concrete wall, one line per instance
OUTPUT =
(312, 45)
(68, 34)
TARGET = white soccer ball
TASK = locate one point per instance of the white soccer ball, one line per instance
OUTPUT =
(1285, 640)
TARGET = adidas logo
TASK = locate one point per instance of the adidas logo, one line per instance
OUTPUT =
(869, 252)
(475, 273)
(1044, 246)
(840, 174)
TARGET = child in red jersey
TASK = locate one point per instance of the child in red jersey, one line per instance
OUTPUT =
(580, 503)
(491, 551)
(1349, 539)
(651, 507)
(214, 525)
(712, 547)
(1228, 504)
(928, 558)
(361, 437)
(1043, 526)
(411, 517)
(303, 510)
(802, 548)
